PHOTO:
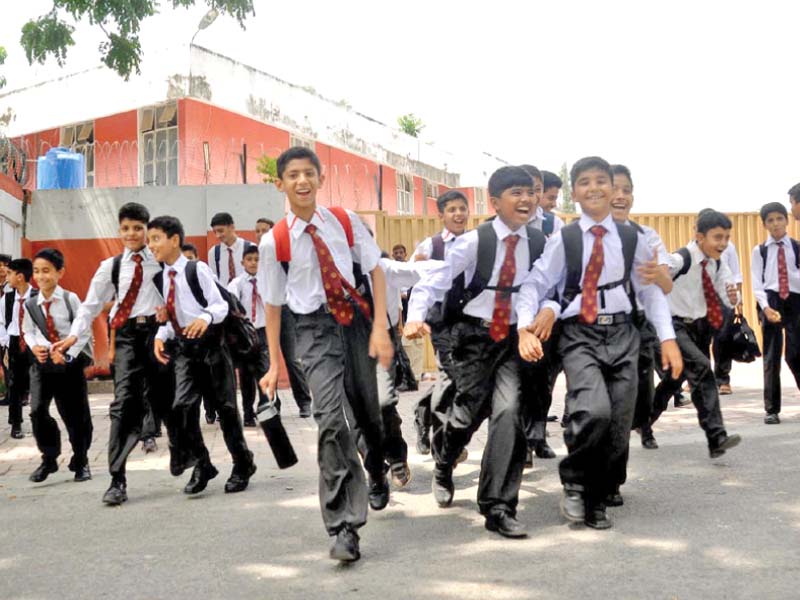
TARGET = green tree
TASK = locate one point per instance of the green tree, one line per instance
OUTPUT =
(410, 124)
(120, 20)
(2, 60)
(567, 204)
(268, 168)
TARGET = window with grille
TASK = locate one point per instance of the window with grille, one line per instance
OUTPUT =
(480, 201)
(405, 195)
(80, 138)
(158, 144)
(431, 189)
(298, 140)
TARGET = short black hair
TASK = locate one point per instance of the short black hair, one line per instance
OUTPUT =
(297, 153)
(772, 207)
(269, 222)
(534, 172)
(794, 192)
(551, 180)
(587, 164)
(450, 196)
(508, 177)
(711, 219)
(189, 248)
(221, 218)
(51, 255)
(169, 225)
(396, 246)
(23, 266)
(5, 258)
(135, 212)
(249, 249)
(622, 170)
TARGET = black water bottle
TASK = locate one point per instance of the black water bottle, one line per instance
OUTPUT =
(270, 420)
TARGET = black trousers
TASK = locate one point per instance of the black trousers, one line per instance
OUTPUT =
(538, 380)
(341, 377)
(649, 348)
(294, 368)
(251, 369)
(395, 448)
(440, 401)
(600, 362)
(722, 358)
(694, 340)
(143, 390)
(18, 380)
(68, 388)
(203, 368)
(773, 336)
(487, 380)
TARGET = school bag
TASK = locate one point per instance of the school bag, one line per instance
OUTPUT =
(454, 303)
(762, 249)
(10, 298)
(218, 252)
(40, 320)
(548, 223)
(687, 262)
(239, 332)
(450, 304)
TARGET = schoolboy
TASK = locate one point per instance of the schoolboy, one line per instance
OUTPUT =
(594, 263)
(246, 288)
(192, 339)
(494, 259)
(776, 287)
(18, 380)
(453, 210)
(55, 374)
(722, 359)
(189, 251)
(794, 200)
(225, 258)
(263, 225)
(702, 284)
(551, 185)
(314, 276)
(126, 280)
(4, 289)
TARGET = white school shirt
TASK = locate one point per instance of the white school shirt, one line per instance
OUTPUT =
(60, 315)
(770, 274)
(403, 275)
(242, 288)
(101, 290)
(186, 307)
(688, 299)
(551, 271)
(9, 329)
(537, 220)
(463, 258)
(302, 288)
(238, 252)
(5, 289)
(426, 246)
(731, 258)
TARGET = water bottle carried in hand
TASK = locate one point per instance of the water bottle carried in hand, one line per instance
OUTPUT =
(270, 421)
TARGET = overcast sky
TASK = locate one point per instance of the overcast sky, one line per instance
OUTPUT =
(700, 99)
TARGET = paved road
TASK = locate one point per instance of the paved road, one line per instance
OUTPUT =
(690, 527)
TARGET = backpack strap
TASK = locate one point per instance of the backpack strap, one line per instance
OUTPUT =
(796, 248)
(687, 262)
(762, 250)
(636, 226)
(437, 247)
(194, 283)
(37, 314)
(283, 246)
(344, 220)
(536, 243)
(9, 297)
(487, 248)
(548, 223)
(572, 239)
(116, 265)
(630, 238)
(217, 252)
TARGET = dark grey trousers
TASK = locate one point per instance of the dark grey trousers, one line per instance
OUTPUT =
(18, 380)
(444, 389)
(251, 369)
(773, 334)
(600, 362)
(297, 377)
(538, 380)
(341, 377)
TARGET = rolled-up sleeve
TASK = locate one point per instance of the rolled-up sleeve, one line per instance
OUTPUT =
(365, 250)
(271, 276)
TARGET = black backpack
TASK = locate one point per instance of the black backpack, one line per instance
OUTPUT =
(10, 297)
(450, 304)
(687, 262)
(40, 320)
(762, 249)
(240, 333)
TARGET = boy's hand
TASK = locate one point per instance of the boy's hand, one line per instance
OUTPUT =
(161, 314)
(158, 350)
(416, 329)
(64, 344)
(196, 329)
(773, 316)
(671, 359)
(649, 271)
(530, 348)
(542, 326)
(380, 346)
(420, 257)
(57, 357)
(269, 382)
(41, 353)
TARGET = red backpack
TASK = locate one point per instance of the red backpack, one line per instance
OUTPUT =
(283, 246)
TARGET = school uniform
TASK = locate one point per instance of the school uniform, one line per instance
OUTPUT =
(547, 223)
(599, 346)
(4, 289)
(776, 285)
(722, 359)
(141, 384)
(245, 287)
(294, 368)
(64, 383)
(332, 341)
(19, 359)
(229, 266)
(696, 303)
(203, 367)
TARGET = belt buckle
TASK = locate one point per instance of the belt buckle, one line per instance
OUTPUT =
(486, 324)
(326, 308)
(688, 320)
(605, 319)
(141, 320)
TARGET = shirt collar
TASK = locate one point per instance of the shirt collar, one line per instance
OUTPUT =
(538, 215)
(503, 231)
(234, 245)
(586, 222)
(179, 265)
(697, 255)
(58, 294)
(144, 253)
(447, 235)
(297, 226)
(784, 240)
(25, 296)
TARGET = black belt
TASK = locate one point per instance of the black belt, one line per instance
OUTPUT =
(687, 320)
(478, 322)
(604, 320)
(321, 311)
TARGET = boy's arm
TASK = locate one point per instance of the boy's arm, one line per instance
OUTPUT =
(547, 273)
(101, 291)
(757, 278)
(273, 279)
(84, 336)
(269, 381)
(4, 337)
(38, 344)
(211, 261)
(725, 285)
(380, 346)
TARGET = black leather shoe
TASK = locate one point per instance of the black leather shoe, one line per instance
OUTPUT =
(681, 401)
(345, 546)
(149, 445)
(201, 475)
(442, 486)
(528, 459)
(240, 478)
(505, 524)
(614, 499)
(596, 517)
(305, 411)
(43, 470)
(572, 506)
(552, 418)
(250, 422)
(649, 442)
(83, 473)
(378, 492)
(770, 419)
(401, 474)
(423, 438)
(16, 433)
(543, 450)
(211, 419)
(725, 443)
(116, 494)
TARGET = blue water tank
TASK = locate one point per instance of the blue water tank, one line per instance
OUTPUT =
(61, 169)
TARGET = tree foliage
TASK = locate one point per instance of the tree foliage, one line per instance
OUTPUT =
(268, 168)
(2, 60)
(567, 204)
(120, 20)
(410, 124)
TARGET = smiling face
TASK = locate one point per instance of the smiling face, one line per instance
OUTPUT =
(300, 182)
(549, 199)
(16, 280)
(133, 234)
(515, 206)
(455, 216)
(46, 276)
(593, 190)
(713, 242)
(776, 225)
(225, 234)
(165, 249)
(622, 200)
